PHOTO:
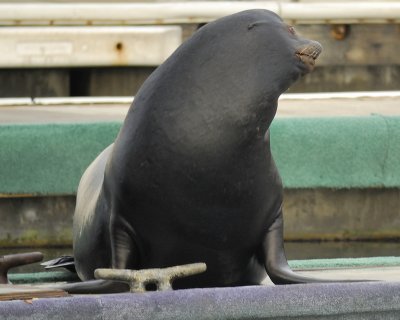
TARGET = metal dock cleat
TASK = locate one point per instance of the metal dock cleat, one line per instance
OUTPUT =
(144, 280)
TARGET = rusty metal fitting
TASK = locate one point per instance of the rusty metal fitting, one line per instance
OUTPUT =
(340, 31)
(161, 278)
(14, 260)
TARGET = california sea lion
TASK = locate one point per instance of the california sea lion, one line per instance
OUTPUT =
(190, 177)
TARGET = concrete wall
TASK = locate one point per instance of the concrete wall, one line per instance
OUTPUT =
(342, 214)
(36, 221)
(310, 214)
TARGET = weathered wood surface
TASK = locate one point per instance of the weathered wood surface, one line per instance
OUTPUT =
(361, 44)
(18, 292)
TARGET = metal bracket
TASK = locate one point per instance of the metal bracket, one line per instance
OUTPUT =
(14, 260)
(159, 279)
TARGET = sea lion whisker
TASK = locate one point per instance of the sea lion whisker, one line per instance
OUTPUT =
(302, 51)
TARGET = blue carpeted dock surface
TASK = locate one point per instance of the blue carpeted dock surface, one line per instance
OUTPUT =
(375, 300)
(358, 300)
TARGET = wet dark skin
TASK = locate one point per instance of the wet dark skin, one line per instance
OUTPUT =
(190, 177)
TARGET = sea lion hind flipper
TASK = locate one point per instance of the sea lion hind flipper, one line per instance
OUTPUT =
(275, 260)
(94, 287)
(64, 261)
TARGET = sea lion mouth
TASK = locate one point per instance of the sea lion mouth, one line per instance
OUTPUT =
(309, 61)
(308, 54)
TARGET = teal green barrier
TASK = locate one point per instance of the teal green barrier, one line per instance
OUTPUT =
(345, 263)
(341, 152)
(346, 152)
(40, 277)
(49, 159)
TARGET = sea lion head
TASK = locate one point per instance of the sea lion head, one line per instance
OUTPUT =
(296, 51)
(264, 44)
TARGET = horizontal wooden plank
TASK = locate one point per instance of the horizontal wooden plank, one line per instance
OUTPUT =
(193, 12)
(18, 292)
(21, 47)
(87, 46)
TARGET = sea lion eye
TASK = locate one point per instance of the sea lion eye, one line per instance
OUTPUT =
(257, 23)
(291, 30)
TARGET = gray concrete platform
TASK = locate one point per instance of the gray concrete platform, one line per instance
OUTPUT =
(372, 273)
(62, 114)
(94, 109)
(376, 273)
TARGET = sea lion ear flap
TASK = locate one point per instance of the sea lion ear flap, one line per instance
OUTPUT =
(257, 23)
(201, 25)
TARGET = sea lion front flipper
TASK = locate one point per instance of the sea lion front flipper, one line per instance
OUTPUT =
(124, 244)
(275, 258)
(125, 255)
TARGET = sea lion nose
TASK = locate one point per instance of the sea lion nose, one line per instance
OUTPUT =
(310, 49)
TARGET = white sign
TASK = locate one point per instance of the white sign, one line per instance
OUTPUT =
(44, 48)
